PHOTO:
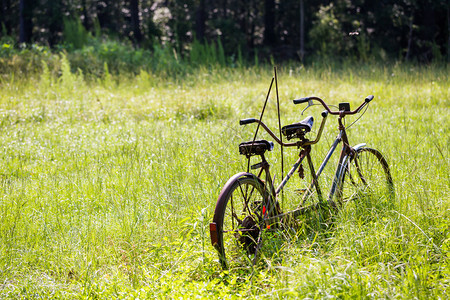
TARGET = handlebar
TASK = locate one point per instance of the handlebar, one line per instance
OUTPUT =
(368, 98)
(247, 121)
(342, 112)
(302, 100)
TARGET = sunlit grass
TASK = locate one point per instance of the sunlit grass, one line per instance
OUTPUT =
(108, 185)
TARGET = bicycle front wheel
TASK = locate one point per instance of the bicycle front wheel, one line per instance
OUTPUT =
(366, 175)
(238, 218)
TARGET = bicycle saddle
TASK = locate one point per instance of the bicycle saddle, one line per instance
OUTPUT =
(255, 147)
(301, 128)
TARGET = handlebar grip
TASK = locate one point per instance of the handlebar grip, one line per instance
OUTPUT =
(369, 98)
(324, 114)
(247, 121)
(301, 100)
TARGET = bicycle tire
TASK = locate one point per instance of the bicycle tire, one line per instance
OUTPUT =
(239, 218)
(365, 175)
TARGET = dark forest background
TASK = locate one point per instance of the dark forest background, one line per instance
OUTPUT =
(230, 31)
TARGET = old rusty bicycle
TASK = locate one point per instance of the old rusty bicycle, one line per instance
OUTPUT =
(248, 206)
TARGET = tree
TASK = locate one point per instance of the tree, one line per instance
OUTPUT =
(135, 22)
(302, 30)
(26, 24)
(54, 17)
(269, 23)
(84, 9)
(200, 20)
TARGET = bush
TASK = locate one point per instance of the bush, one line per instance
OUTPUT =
(75, 34)
(90, 54)
(327, 31)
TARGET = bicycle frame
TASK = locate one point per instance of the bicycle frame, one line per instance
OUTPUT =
(345, 154)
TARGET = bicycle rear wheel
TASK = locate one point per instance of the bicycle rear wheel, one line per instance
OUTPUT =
(238, 219)
(366, 175)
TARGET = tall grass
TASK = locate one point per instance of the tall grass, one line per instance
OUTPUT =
(108, 185)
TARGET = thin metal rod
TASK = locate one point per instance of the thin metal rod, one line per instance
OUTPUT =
(279, 127)
(259, 123)
(262, 112)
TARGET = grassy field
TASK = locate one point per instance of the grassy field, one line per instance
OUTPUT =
(108, 184)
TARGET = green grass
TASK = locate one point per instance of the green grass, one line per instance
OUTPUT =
(108, 185)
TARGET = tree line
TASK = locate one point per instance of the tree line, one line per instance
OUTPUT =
(283, 29)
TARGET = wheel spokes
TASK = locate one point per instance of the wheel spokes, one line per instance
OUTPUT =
(366, 175)
(246, 198)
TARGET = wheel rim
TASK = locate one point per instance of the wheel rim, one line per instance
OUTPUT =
(242, 219)
(367, 176)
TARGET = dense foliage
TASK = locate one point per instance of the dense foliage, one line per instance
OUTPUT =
(300, 29)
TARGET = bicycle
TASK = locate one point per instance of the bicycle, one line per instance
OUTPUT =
(248, 206)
